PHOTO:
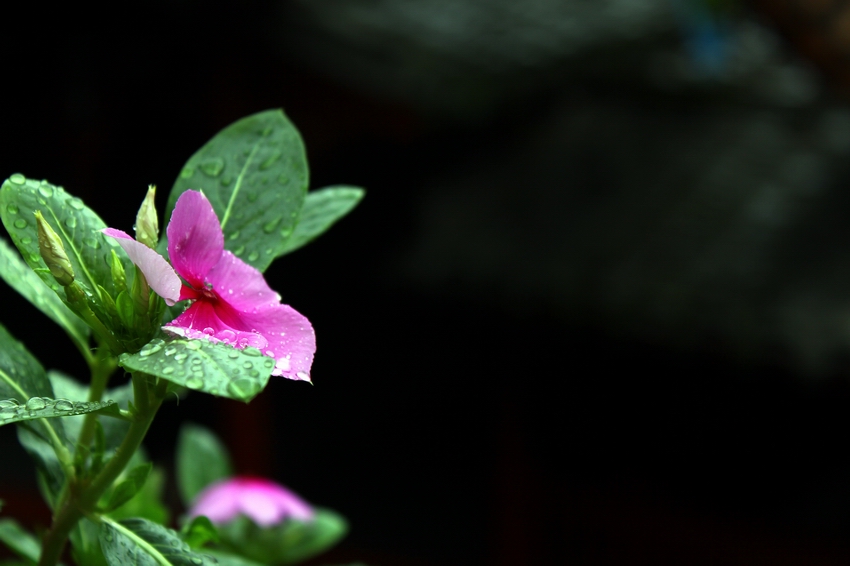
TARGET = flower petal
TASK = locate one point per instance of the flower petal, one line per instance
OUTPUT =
(263, 501)
(195, 240)
(291, 339)
(240, 285)
(219, 502)
(201, 321)
(160, 276)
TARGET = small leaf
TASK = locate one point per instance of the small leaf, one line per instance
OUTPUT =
(214, 368)
(24, 280)
(254, 172)
(19, 539)
(44, 407)
(199, 532)
(77, 226)
(142, 543)
(322, 208)
(85, 544)
(50, 474)
(128, 487)
(147, 503)
(201, 460)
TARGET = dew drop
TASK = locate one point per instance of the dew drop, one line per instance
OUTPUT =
(36, 404)
(63, 405)
(151, 348)
(213, 167)
(239, 251)
(187, 173)
(76, 203)
(196, 560)
(71, 222)
(302, 376)
(233, 355)
(269, 227)
(253, 256)
(209, 331)
(270, 160)
(167, 370)
(285, 232)
(252, 196)
(181, 357)
(226, 180)
(251, 351)
(18, 179)
(194, 383)
(233, 235)
(247, 365)
(92, 242)
(193, 345)
(213, 391)
(170, 351)
(254, 373)
(12, 208)
(267, 131)
(46, 191)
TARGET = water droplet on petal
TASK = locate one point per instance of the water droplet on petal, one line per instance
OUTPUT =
(209, 331)
(302, 376)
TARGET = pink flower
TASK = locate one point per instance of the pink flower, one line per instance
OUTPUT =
(232, 302)
(263, 501)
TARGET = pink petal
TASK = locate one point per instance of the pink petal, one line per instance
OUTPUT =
(260, 508)
(195, 240)
(201, 321)
(160, 276)
(242, 286)
(219, 502)
(290, 336)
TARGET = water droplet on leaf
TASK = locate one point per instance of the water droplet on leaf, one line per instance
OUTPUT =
(76, 203)
(194, 383)
(92, 242)
(36, 404)
(193, 345)
(12, 208)
(71, 222)
(20, 223)
(252, 196)
(45, 191)
(18, 179)
(187, 173)
(253, 256)
(251, 351)
(269, 227)
(213, 167)
(63, 405)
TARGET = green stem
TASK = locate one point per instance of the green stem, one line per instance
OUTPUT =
(101, 370)
(84, 501)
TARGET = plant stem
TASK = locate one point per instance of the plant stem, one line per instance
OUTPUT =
(101, 369)
(84, 501)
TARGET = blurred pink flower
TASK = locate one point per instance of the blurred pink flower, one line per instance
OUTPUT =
(263, 501)
(232, 302)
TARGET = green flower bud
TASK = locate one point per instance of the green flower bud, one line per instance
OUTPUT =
(119, 278)
(147, 223)
(53, 252)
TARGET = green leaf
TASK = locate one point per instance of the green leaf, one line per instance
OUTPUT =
(254, 173)
(67, 387)
(44, 407)
(214, 368)
(19, 540)
(24, 280)
(127, 488)
(199, 532)
(201, 460)
(85, 544)
(227, 559)
(89, 251)
(21, 376)
(147, 503)
(322, 208)
(143, 543)
(50, 473)
(290, 541)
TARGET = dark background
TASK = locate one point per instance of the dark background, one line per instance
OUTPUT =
(540, 342)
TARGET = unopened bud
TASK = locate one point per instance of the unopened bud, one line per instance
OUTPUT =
(147, 224)
(53, 252)
(119, 278)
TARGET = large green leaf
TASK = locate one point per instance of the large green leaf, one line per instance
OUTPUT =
(321, 210)
(19, 539)
(21, 376)
(254, 172)
(214, 368)
(44, 407)
(143, 543)
(22, 279)
(51, 477)
(77, 226)
(201, 460)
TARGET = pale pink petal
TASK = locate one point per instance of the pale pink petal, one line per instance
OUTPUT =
(242, 286)
(160, 276)
(195, 240)
(263, 501)
(219, 502)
